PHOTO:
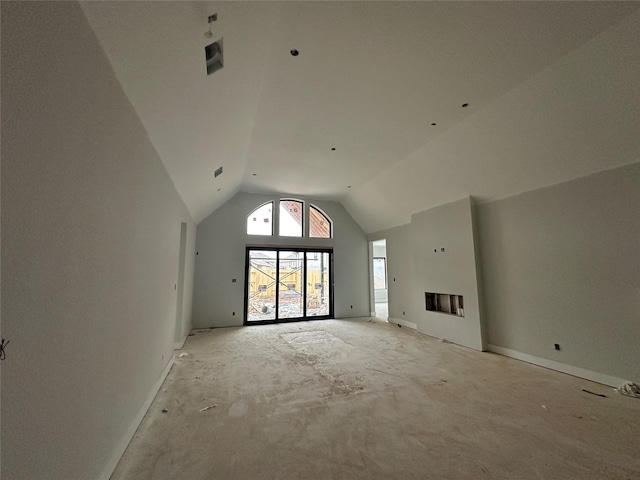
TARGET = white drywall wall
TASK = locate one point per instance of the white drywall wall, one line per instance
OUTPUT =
(221, 246)
(90, 243)
(414, 268)
(562, 265)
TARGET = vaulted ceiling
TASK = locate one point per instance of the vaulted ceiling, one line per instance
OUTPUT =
(551, 87)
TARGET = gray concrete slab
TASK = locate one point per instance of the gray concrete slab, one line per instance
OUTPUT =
(359, 399)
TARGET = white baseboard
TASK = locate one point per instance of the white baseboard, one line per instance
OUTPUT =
(111, 465)
(179, 345)
(404, 323)
(560, 367)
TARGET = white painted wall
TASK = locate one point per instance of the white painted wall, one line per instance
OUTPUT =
(414, 268)
(90, 243)
(221, 246)
(562, 265)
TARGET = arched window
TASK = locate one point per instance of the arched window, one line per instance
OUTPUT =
(320, 225)
(291, 215)
(260, 221)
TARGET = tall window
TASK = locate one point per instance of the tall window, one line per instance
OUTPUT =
(291, 215)
(260, 221)
(320, 226)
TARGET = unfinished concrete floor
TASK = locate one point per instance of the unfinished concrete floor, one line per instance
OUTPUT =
(354, 399)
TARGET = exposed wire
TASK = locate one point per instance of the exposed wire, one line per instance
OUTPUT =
(3, 344)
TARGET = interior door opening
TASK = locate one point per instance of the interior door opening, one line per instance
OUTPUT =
(180, 334)
(380, 284)
(288, 284)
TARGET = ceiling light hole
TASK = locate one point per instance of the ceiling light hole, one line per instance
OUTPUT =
(433, 124)
(217, 173)
(348, 186)
(294, 53)
(333, 149)
(465, 105)
(254, 174)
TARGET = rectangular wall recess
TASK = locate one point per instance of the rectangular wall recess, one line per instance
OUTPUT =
(444, 303)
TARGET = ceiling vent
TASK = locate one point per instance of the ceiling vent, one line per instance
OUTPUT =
(213, 55)
(217, 173)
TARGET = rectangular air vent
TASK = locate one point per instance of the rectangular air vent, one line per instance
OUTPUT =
(217, 173)
(213, 55)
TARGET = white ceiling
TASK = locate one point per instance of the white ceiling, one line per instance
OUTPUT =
(552, 89)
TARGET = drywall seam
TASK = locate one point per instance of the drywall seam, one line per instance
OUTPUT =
(560, 367)
(111, 465)
(404, 323)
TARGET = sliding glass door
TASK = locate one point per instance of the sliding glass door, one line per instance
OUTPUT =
(291, 273)
(288, 284)
(318, 289)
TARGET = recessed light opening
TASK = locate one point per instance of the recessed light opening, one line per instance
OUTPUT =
(294, 52)
(465, 105)
(217, 173)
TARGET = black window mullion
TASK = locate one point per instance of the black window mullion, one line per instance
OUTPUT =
(277, 285)
(304, 285)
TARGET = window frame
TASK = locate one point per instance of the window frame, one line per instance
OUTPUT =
(302, 215)
(325, 216)
(271, 220)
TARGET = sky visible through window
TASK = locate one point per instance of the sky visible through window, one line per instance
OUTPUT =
(260, 222)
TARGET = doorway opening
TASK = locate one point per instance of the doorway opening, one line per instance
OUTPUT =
(380, 282)
(288, 284)
(180, 334)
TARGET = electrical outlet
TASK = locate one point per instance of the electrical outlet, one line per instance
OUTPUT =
(403, 313)
(556, 346)
(351, 306)
(233, 313)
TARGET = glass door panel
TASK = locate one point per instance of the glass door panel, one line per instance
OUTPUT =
(291, 285)
(288, 284)
(261, 280)
(318, 291)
